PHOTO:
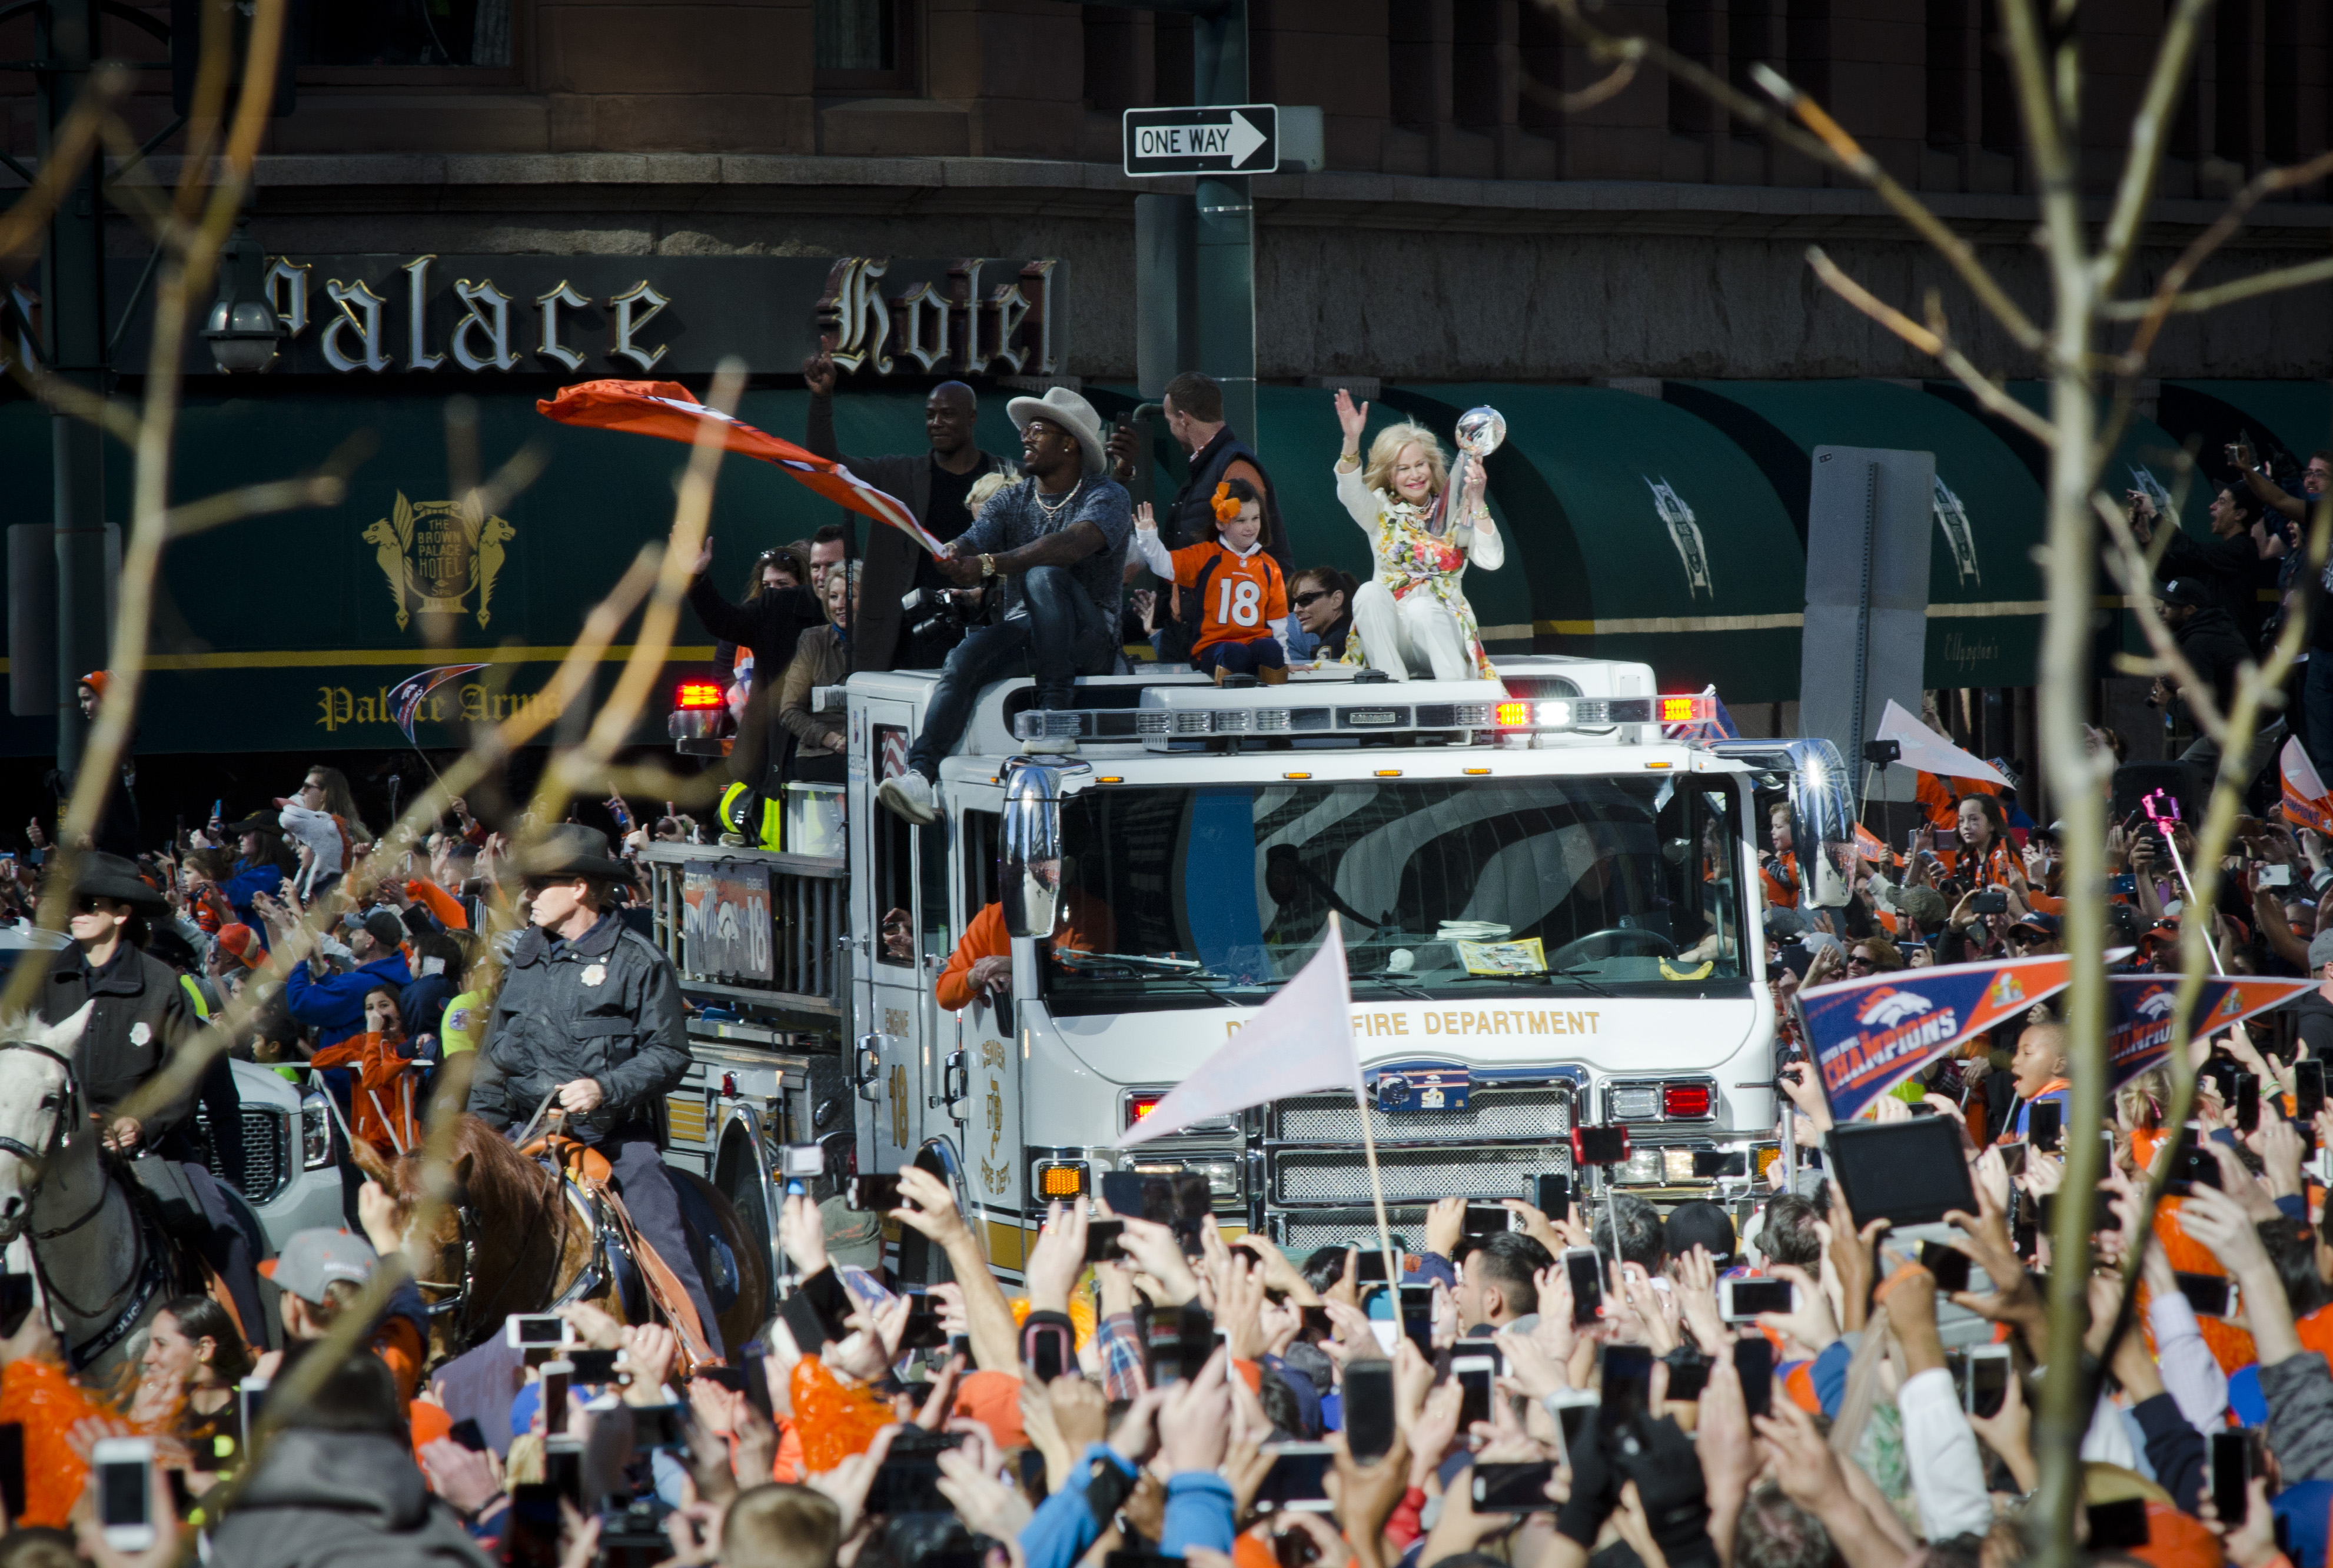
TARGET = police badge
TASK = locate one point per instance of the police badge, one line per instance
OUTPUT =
(594, 973)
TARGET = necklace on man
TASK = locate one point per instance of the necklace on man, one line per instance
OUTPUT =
(1054, 510)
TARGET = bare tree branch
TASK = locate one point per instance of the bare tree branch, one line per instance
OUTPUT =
(2227, 294)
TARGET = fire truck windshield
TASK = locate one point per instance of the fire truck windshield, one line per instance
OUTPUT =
(1445, 889)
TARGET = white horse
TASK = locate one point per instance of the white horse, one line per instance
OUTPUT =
(99, 1277)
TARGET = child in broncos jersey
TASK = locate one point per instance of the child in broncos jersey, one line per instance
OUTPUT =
(1243, 601)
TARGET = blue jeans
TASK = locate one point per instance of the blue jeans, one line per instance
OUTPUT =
(1060, 635)
(1242, 657)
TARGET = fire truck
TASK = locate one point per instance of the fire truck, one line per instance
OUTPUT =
(1548, 886)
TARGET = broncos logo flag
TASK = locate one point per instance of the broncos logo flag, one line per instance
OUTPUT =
(2141, 1008)
(1868, 1035)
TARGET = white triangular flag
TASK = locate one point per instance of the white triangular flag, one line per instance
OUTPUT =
(1929, 751)
(1299, 1042)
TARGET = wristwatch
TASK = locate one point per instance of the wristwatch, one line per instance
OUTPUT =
(988, 566)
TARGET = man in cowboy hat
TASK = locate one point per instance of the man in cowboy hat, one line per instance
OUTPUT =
(140, 1016)
(589, 1022)
(1057, 544)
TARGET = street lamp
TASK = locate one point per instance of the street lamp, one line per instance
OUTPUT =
(244, 329)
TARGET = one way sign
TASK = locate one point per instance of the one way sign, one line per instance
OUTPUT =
(1233, 138)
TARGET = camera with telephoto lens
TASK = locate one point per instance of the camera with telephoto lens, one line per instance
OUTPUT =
(945, 612)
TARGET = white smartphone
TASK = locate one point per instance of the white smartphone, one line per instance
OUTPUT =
(125, 1491)
(537, 1331)
(1739, 1301)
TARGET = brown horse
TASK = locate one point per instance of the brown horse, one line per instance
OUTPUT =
(516, 1240)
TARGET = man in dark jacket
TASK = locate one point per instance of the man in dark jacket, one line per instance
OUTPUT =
(140, 1016)
(339, 1485)
(2229, 569)
(589, 1022)
(934, 485)
(333, 1004)
(2212, 647)
(770, 623)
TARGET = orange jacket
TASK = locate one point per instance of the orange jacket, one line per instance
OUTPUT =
(1090, 929)
(440, 903)
(381, 1115)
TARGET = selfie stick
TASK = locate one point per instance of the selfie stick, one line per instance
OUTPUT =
(2161, 826)
(1370, 1144)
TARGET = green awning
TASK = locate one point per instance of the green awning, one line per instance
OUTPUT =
(2296, 416)
(1636, 532)
(288, 623)
(1985, 593)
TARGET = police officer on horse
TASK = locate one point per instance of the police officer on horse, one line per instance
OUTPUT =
(589, 1022)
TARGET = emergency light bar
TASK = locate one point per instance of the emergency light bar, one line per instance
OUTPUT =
(1159, 729)
(699, 694)
(1561, 713)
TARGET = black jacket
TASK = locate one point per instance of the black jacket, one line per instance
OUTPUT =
(326, 1499)
(141, 1014)
(2313, 1020)
(2217, 649)
(891, 556)
(2230, 568)
(606, 1006)
(770, 624)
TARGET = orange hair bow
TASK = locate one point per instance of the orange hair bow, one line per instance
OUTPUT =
(1227, 510)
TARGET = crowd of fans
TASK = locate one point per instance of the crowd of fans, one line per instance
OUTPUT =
(1182, 1398)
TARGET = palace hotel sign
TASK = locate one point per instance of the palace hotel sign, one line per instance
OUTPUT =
(459, 316)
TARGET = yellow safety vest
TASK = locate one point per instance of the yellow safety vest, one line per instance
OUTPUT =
(458, 1030)
(753, 815)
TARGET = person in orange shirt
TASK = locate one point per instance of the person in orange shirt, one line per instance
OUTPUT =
(384, 1103)
(1243, 596)
(982, 965)
(1779, 872)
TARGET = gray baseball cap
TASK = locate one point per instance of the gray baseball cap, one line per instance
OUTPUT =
(2320, 950)
(313, 1259)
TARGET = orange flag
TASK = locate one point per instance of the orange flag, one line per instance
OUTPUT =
(669, 409)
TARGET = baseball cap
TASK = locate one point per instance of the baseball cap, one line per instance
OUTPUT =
(384, 928)
(1925, 905)
(313, 1259)
(2184, 591)
(243, 942)
(2320, 950)
(1782, 925)
(1699, 1223)
(2048, 925)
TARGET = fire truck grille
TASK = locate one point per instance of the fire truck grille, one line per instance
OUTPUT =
(1534, 1113)
(1304, 1231)
(1415, 1175)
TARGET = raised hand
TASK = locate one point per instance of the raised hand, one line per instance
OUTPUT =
(1352, 421)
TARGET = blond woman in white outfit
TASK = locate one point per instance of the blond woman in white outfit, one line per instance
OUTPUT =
(1411, 617)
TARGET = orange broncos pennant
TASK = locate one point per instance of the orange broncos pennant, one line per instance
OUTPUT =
(669, 409)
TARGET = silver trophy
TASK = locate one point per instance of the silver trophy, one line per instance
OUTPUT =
(1480, 432)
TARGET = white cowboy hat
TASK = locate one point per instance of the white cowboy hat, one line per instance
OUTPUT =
(1064, 407)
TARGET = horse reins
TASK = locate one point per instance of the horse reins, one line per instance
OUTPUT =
(60, 1139)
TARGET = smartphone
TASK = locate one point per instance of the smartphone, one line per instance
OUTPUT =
(1513, 1488)
(1949, 1264)
(2307, 1094)
(2235, 1460)
(2118, 1527)
(1104, 1239)
(562, 1467)
(2247, 1101)
(754, 1359)
(1196, 1337)
(659, 1427)
(1739, 1301)
(803, 1161)
(1048, 1350)
(874, 1193)
(1987, 1383)
(1297, 1479)
(1689, 1375)
(531, 1538)
(1598, 1146)
(2212, 1296)
(2012, 1158)
(1627, 1385)
(1572, 1408)
(537, 1331)
(250, 1399)
(1585, 1269)
(1485, 1218)
(1473, 1372)
(12, 1468)
(2277, 876)
(1368, 1409)
(558, 1378)
(1417, 1317)
(125, 1491)
(599, 1366)
(1122, 1190)
(2045, 1122)
(1991, 902)
(1191, 1207)
(16, 1292)
(1369, 1268)
(1551, 1196)
(467, 1433)
(1754, 1364)
(2192, 1164)
(924, 1332)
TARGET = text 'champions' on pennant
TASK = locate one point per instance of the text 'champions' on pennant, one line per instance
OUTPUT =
(2140, 1011)
(1868, 1035)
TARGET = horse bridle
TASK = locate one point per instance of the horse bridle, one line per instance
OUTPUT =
(74, 1112)
(469, 1312)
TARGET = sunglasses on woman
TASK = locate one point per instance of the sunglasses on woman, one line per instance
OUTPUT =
(1305, 600)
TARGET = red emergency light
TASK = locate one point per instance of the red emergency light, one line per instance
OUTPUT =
(1138, 1106)
(697, 694)
(1685, 1100)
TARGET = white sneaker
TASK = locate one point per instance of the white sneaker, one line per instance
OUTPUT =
(910, 796)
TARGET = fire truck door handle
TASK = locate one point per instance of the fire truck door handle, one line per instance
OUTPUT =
(868, 1069)
(955, 1081)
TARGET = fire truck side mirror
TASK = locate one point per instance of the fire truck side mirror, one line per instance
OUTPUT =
(1030, 850)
